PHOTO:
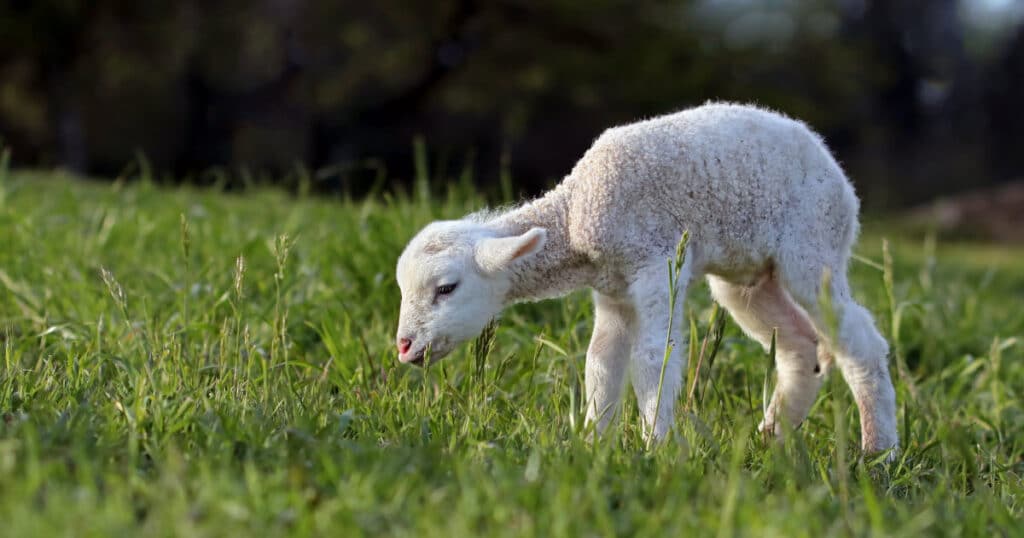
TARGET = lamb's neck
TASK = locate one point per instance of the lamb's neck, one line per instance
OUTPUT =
(557, 269)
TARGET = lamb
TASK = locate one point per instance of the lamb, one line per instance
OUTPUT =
(769, 212)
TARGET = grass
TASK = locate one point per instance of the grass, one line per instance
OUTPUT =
(187, 362)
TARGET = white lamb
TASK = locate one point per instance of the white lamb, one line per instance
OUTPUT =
(768, 210)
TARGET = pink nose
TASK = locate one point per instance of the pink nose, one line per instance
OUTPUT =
(403, 345)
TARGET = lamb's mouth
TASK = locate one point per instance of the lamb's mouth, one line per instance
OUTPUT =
(419, 359)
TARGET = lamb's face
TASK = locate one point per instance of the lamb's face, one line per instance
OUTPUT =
(454, 280)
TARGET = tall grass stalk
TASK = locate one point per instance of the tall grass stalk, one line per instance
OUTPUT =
(674, 269)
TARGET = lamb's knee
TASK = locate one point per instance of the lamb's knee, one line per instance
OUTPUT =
(859, 339)
(862, 352)
(798, 365)
(602, 341)
(649, 373)
(649, 362)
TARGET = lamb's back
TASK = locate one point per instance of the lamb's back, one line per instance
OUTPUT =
(732, 175)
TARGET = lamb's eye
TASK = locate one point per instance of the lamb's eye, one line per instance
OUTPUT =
(446, 289)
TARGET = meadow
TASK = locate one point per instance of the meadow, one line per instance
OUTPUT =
(183, 361)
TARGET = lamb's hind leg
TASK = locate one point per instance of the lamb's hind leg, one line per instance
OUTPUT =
(607, 358)
(760, 308)
(861, 351)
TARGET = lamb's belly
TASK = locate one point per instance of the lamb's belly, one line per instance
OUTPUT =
(741, 262)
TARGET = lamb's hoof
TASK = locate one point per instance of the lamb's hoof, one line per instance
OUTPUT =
(879, 445)
(770, 430)
(880, 455)
(880, 465)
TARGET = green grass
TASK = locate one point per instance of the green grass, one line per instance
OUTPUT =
(186, 362)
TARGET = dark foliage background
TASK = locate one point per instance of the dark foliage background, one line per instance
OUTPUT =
(917, 98)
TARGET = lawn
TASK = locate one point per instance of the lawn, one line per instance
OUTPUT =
(178, 361)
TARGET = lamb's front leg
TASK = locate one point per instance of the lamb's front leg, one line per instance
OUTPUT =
(607, 356)
(650, 296)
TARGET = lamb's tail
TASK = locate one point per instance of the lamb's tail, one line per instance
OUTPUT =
(850, 227)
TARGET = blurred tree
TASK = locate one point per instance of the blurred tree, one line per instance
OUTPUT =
(1005, 109)
(896, 87)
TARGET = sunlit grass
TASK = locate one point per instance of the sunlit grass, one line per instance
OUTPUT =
(180, 361)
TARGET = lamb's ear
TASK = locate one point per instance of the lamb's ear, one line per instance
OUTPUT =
(497, 253)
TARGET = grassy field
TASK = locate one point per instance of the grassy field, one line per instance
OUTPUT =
(186, 362)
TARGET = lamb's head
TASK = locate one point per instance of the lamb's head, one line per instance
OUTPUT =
(455, 277)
